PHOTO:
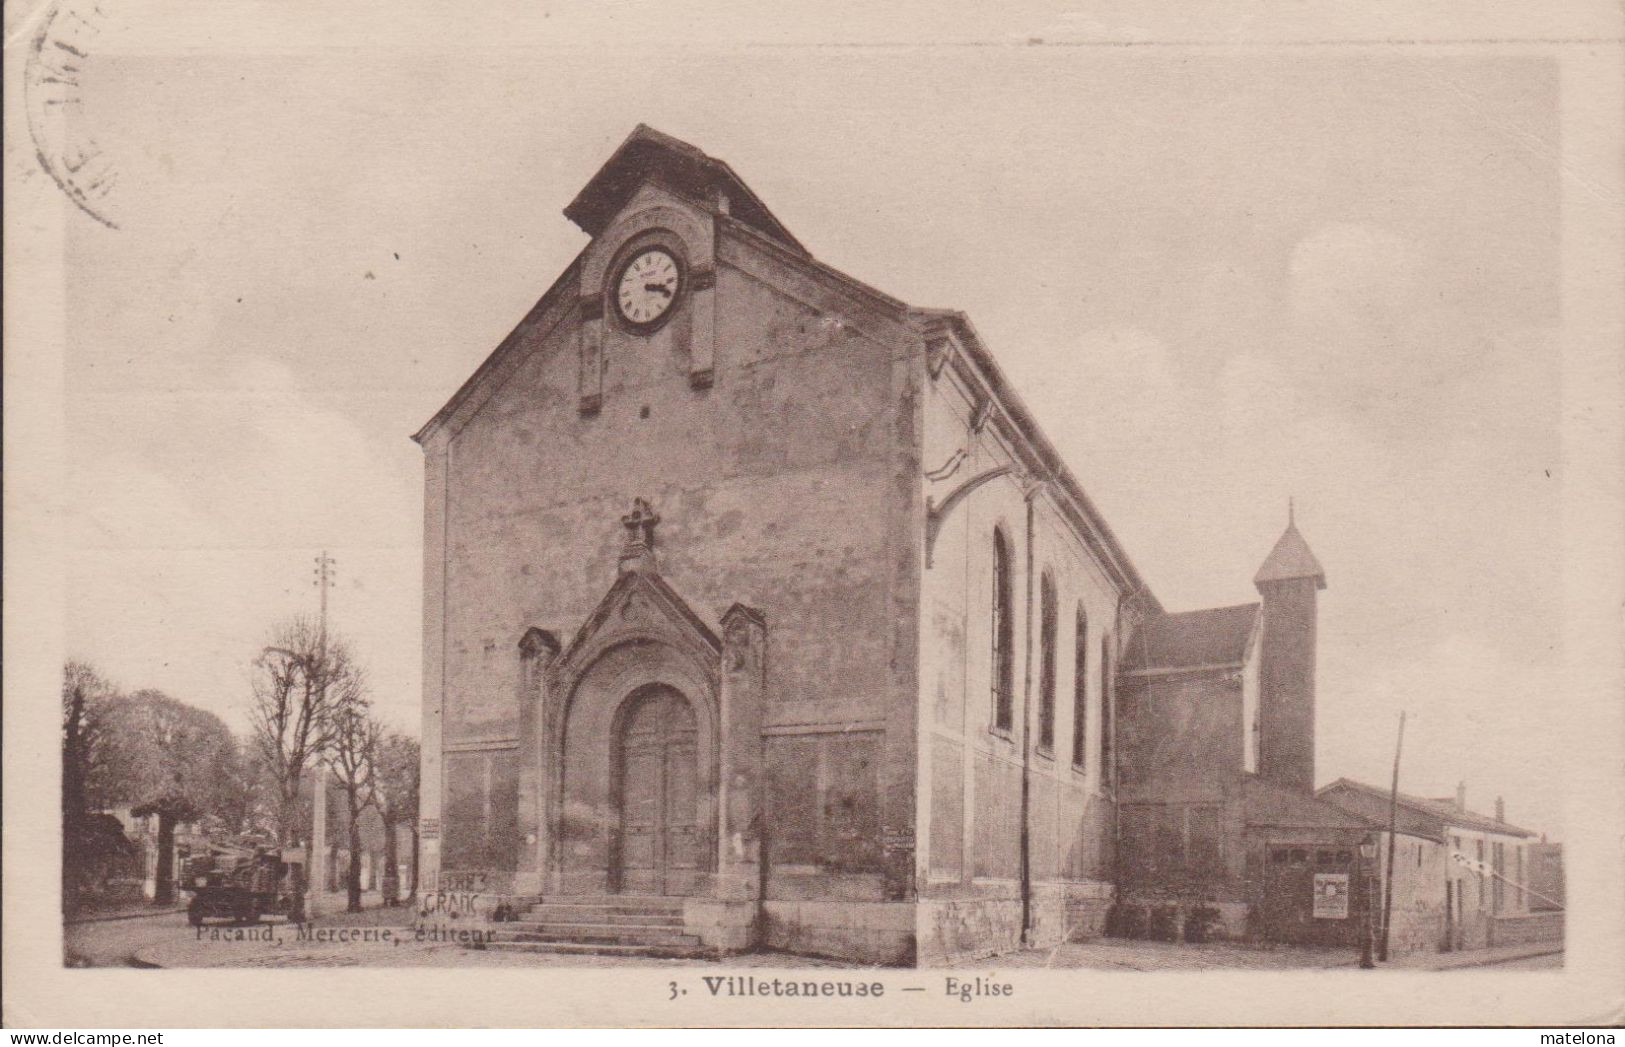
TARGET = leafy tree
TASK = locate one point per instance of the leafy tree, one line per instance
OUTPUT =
(395, 791)
(85, 698)
(88, 846)
(301, 679)
(172, 761)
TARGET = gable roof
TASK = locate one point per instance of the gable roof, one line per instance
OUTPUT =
(1446, 813)
(1050, 461)
(1289, 560)
(1211, 637)
(647, 153)
(558, 292)
(1270, 804)
(667, 603)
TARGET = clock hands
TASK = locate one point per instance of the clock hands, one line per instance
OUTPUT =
(662, 288)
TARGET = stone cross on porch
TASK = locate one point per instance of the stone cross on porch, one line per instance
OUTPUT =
(638, 553)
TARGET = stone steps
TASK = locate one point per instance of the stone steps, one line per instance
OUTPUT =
(593, 911)
(593, 949)
(612, 925)
(592, 916)
(599, 935)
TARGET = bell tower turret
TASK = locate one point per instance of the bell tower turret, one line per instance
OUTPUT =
(1288, 581)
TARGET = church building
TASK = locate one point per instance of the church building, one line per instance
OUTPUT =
(759, 613)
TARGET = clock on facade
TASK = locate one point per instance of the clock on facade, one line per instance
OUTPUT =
(648, 287)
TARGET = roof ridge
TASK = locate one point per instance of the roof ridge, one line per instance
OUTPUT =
(1430, 806)
(1254, 604)
(1291, 559)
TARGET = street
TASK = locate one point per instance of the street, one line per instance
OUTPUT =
(113, 943)
(383, 938)
(1549, 962)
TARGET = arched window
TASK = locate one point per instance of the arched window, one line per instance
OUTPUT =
(1004, 635)
(1080, 690)
(1106, 711)
(1048, 613)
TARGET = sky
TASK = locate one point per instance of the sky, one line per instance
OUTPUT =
(1220, 278)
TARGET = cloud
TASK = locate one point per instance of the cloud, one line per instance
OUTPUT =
(1374, 321)
(193, 519)
(1477, 712)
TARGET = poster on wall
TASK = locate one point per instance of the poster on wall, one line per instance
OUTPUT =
(1331, 896)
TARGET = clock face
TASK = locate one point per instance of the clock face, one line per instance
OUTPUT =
(648, 287)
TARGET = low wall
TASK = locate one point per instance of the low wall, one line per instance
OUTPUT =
(466, 906)
(725, 926)
(1178, 919)
(1416, 929)
(1535, 927)
(859, 932)
(953, 930)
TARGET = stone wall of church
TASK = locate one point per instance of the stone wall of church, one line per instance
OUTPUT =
(1180, 735)
(971, 769)
(788, 483)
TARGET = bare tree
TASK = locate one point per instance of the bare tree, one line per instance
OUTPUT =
(395, 791)
(301, 678)
(354, 746)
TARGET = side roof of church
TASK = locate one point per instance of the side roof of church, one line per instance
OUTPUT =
(648, 155)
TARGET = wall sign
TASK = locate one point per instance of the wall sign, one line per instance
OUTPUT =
(1331, 896)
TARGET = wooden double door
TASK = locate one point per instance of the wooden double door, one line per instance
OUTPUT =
(660, 839)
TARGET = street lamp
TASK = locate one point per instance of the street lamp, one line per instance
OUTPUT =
(1368, 854)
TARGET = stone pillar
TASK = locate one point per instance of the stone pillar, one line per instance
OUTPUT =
(537, 650)
(590, 341)
(702, 337)
(742, 785)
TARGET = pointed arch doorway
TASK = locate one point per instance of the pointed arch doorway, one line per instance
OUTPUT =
(658, 842)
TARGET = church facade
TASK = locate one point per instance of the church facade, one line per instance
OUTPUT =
(756, 601)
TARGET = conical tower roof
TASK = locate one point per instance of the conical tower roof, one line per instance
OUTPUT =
(1291, 559)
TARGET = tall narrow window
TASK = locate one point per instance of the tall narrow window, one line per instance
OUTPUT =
(1108, 718)
(1048, 613)
(1004, 635)
(1080, 691)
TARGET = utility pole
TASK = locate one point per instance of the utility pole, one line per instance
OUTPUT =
(1393, 819)
(326, 571)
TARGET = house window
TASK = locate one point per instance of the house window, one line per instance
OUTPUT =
(1048, 613)
(1004, 635)
(1498, 863)
(1482, 879)
(1080, 690)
